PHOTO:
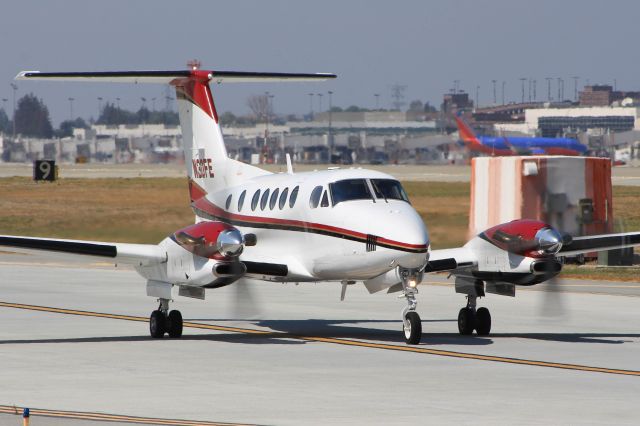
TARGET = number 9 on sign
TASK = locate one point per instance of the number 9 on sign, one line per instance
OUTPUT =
(44, 170)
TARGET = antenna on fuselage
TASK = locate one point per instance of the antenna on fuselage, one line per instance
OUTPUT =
(289, 165)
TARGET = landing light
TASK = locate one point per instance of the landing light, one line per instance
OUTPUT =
(413, 283)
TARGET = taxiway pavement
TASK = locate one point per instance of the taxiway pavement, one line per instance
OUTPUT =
(74, 338)
(627, 175)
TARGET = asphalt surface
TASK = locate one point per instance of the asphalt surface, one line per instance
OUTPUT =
(74, 337)
(424, 173)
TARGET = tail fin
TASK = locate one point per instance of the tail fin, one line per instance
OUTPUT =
(466, 134)
(208, 167)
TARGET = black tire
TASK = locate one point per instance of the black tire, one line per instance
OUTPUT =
(412, 328)
(175, 324)
(483, 322)
(466, 321)
(157, 326)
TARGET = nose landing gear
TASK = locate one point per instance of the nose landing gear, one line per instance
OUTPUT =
(411, 323)
(162, 321)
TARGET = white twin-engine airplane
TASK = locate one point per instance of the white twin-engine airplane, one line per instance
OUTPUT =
(344, 225)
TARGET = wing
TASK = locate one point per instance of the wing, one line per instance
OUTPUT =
(590, 243)
(451, 259)
(134, 254)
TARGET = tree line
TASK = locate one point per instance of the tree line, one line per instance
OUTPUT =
(32, 119)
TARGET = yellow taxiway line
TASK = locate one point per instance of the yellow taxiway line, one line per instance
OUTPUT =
(80, 415)
(338, 341)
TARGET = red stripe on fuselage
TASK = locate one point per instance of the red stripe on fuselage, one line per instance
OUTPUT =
(208, 207)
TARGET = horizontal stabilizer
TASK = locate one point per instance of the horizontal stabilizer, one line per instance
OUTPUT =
(167, 77)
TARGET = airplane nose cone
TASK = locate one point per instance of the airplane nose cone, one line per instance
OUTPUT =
(415, 233)
(230, 243)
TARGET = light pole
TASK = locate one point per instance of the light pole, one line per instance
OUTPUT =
(311, 105)
(377, 96)
(503, 84)
(330, 134)
(320, 102)
(477, 96)
(153, 104)
(99, 106)
(15, 89)
(143, 110)
(266, 118)
(4, 105)
(494, 91)
(71, 108)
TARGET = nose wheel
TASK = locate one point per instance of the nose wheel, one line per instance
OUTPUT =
(162, 321)
(412, 328)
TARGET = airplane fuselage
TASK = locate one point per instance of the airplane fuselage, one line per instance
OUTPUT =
(324, 225)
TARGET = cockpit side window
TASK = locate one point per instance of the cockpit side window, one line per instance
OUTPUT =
(389, 189)
(349, 190)
(315, 197)
(325, 200)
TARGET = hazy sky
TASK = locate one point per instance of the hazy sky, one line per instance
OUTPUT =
(371, 45)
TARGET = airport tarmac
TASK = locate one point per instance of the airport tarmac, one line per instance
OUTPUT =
(420, 173)
(74, 338)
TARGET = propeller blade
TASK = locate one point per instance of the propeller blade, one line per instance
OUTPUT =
(553, 302)
(245, 303)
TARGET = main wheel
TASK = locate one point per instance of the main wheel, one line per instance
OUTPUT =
(175, 324)
(157, 326)
(483, 322)
(412, 327)
(466, 321)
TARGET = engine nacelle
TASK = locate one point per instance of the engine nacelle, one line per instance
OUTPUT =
(529, 238)
(214, 240)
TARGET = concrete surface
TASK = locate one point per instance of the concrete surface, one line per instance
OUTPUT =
(90, 364)
(432, 173)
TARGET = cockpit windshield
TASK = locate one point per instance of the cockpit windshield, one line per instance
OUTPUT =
(350, 189)
(389, 189)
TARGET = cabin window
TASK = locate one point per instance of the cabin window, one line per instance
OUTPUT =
(315, 197)
(228, 203)
(264, 200)
(283, 198)
(389, 189)
(254, 200)
(294, 197)
(325, 200)
(349, 190)
(241, 200)
(274, 198)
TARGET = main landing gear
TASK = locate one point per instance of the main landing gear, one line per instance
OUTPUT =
(470, 319)
(162, 321)
(411, 323)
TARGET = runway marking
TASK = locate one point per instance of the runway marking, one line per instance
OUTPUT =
(339, 341)
(80, 415)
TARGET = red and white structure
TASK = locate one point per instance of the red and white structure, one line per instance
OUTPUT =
(573, 194)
